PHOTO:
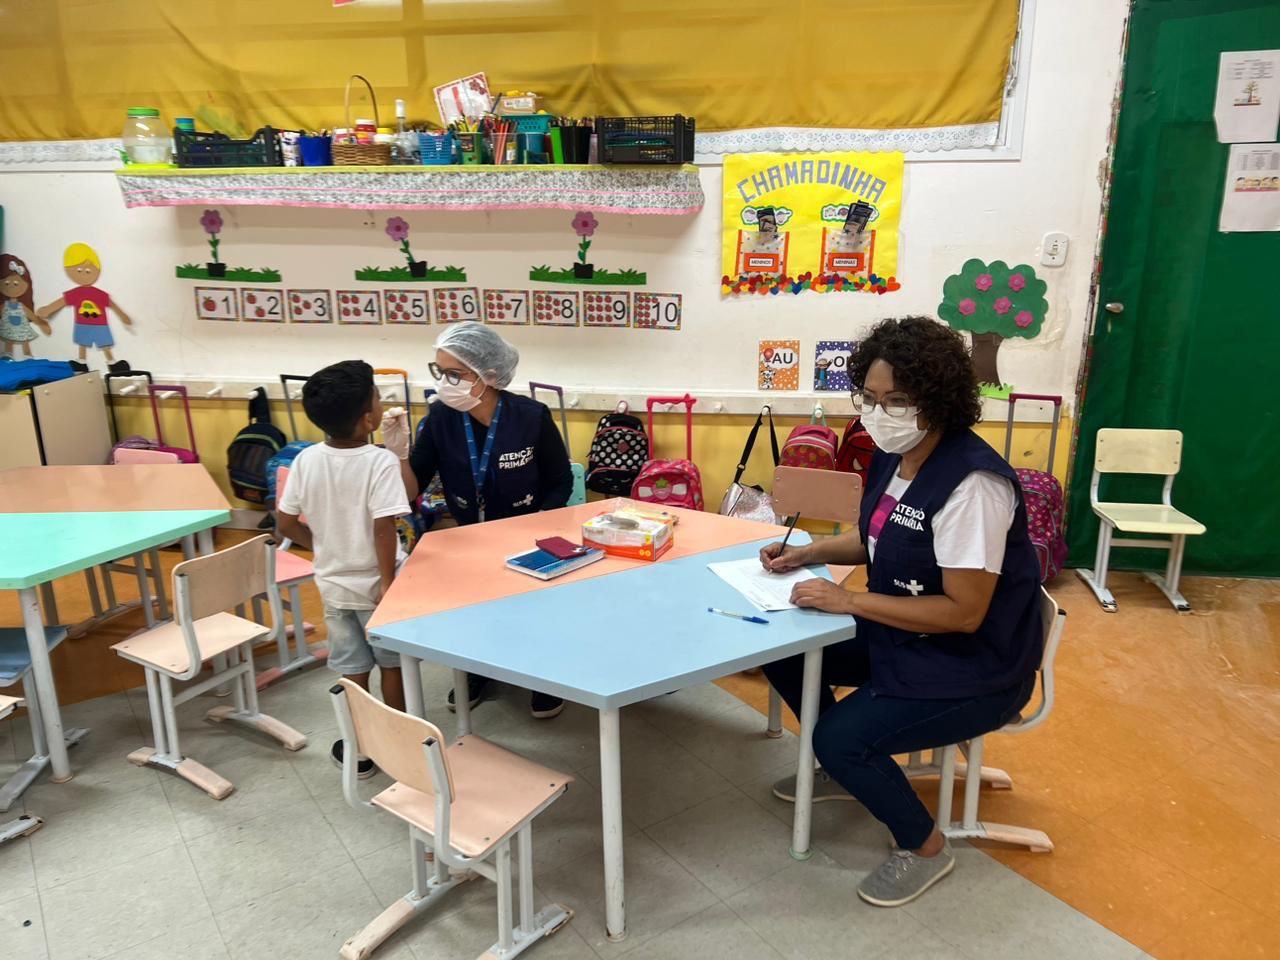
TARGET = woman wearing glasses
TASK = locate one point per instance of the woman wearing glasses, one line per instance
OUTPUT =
(948, 634)
(498, 454)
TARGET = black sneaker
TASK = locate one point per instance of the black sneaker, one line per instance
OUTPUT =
(477, 687)
(364, 768)
(544, 706)
(119, 366)
(77, 366)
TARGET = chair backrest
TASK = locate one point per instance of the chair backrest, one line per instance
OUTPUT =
(8, 705)
(1053, 620)
(392, 739)
(208, 585)
(130, 455)
(817, 494)
(1157, 452)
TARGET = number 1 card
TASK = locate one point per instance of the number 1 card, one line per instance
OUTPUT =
(217, 303)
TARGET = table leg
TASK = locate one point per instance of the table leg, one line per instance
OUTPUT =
(189, 546)
(611, 813)
(462, 702)
(411, 675)
(42, 674)
(50, 603)
(204, 539)
(804, 773)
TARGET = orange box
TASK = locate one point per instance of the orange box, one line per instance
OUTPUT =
(630, 535)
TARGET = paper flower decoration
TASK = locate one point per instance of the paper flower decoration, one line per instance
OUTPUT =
(584, 223)
(1002, 305)
(968, 307)
(398, 230)
(212, 224)
(983, 282)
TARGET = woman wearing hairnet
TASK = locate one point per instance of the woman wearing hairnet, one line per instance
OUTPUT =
(498, 454)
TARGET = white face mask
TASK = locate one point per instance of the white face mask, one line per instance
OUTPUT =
(893, 434)
(458, 395)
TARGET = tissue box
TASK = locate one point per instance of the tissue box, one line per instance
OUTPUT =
(636, 536)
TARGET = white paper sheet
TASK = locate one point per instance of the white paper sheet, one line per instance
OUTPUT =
(1251, 195)
(765, 591)
(1247, 106)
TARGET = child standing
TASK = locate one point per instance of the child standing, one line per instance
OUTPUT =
(350, 493)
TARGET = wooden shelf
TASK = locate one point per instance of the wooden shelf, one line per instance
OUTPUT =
(656, 190)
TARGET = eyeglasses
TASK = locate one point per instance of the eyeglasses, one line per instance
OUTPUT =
(452, 377)
(893, 404)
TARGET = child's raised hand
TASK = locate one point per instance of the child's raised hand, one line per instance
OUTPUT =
(395, 431)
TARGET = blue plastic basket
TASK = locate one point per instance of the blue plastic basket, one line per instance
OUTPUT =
(436, 148)
(531, 123)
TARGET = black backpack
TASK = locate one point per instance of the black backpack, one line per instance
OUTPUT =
(252, 448)
(619, 450)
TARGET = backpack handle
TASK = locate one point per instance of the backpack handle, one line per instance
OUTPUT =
(622, 407)
(688, 402)
(157, 392)
(534, 387)
(766, 410)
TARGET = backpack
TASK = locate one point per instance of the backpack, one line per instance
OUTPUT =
(812, 445)
(252, 449)
(619, 450)
(671, 483)
(856, 448)
(137, 442)
(1042, 495)
(286, 455)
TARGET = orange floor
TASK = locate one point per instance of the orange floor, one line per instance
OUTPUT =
(1155, 777)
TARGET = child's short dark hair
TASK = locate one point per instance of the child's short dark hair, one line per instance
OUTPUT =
(336, 397)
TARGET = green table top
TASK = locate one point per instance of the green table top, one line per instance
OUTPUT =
(38, 547)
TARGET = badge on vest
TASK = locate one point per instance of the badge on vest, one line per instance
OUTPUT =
(910, 517)
(516, 459)
(525, 501)
(914, 588)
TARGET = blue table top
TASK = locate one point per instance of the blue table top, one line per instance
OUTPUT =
(37, 547)
(618, 639)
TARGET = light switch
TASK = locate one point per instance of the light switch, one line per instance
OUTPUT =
(1053, 249)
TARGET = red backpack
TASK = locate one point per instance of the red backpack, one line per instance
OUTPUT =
(671, 483)
(856, 448)
(811, 445)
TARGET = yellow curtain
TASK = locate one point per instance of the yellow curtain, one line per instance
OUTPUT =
(69, 68)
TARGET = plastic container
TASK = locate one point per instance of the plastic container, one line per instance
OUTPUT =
(436, 148)
(316, 151)
(645, 139)
(219, 150)
(145, 138)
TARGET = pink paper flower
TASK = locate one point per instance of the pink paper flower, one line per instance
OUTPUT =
(1002, 306)
(584, 224)
(211, 222)
(1024, 319)
(967, 307)
(397, 229)
(983, 282)
(1017, 282)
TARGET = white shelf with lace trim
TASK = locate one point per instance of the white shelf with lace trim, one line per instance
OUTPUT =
(641, 190)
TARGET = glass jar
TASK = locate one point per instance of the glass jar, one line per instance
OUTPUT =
(145, 139)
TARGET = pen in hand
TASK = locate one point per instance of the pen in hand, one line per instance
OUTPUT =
(791, 525)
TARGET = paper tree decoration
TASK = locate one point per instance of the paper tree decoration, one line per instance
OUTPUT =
(993, 302)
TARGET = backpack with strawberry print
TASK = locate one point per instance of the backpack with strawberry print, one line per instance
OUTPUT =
(812, 445)
(671, 483)
(619, 450)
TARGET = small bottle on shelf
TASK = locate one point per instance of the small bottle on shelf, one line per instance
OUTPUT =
(404, 149)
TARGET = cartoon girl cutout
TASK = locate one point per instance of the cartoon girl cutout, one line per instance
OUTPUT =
(17, 313)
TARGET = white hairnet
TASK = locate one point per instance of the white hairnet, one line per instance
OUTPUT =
(482, 350)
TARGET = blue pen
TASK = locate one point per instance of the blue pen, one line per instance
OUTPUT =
(736, 616)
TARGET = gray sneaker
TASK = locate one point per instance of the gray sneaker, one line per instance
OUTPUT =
(904, 876)
(824, 788)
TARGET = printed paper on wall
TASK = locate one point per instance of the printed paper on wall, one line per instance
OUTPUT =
(778, 365)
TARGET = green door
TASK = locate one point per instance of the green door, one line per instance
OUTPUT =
(1187, 333)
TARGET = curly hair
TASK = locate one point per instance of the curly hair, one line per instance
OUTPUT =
(930, 364)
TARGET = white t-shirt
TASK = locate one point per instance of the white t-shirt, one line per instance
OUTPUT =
(969, 531)
(340, 491)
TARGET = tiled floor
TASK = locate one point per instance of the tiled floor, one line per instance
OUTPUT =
(132, 863)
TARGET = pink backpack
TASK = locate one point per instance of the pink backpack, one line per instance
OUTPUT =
(1042, 495)
(812, 445)
(671, 483)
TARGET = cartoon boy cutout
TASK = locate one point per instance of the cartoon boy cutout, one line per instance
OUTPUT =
(16, 313)
(90, 304)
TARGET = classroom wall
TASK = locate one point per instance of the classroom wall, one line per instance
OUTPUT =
(952, 211)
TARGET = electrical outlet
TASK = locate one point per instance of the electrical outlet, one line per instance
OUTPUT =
(1053, 249)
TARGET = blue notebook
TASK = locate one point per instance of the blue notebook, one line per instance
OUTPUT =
(546, 566)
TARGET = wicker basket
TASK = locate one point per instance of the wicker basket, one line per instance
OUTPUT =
(360, 154)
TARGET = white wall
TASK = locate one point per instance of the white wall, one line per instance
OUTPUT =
(952, 211)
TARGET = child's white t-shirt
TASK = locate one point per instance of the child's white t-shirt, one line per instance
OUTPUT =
(340, 491)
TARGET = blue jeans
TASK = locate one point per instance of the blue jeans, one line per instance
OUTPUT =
(855, 739)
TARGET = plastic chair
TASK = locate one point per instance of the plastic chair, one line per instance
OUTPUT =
(15, 665)
(1053, 619)
(292, 572)
(466, 802)
(27, 823)
(204, 589)
(1150, 452)
(820, 494)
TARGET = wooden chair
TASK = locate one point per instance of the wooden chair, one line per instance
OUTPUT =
(1150, 452)
(292, 572)
(1053, 619)
(27, 823)
(203, 632)
(466, 802)
(822, 495)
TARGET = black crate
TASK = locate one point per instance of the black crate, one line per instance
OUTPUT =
(219, 150)
(645, 139)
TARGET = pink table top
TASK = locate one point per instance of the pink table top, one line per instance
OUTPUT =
(122, 488)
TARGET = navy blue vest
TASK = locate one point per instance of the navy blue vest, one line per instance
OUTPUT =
(1006, 648)
(512, 487)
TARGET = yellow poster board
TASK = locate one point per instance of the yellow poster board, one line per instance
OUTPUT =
(820, 222)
